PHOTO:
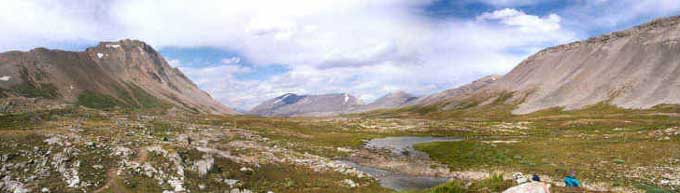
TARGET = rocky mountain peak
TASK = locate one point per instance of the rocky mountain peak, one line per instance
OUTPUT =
(125, 73)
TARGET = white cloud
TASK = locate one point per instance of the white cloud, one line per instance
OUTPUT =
(232, 60)
(173, 62)
(366, 48)
(512, 3)
(611, 15)
(525, 22)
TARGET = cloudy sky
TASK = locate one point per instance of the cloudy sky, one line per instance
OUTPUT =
(244, 52)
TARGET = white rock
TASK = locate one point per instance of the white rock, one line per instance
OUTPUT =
(177, 184)
(54, 140)
(204, 165)
(14, 186)
(532, 187)
(350, 183)
(231, 182)
(112, 46)
(5, 78)
(45, 190)
(344, 149)
(236, 190)
(246, 169)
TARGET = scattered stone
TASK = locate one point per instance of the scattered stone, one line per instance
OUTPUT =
(13, 186)
(54, 140)
(231, 182)
(204, 165)
(236, 190)
(247, 170)
(344, 149)
(350, 183)
(532, 187)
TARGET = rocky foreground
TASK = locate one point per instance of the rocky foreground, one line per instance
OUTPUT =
(86, 150)
(104, 152)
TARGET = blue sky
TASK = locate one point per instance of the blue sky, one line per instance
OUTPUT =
(244, 53)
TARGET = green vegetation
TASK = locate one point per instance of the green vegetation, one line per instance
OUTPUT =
(463, 155)
(30, 120)
(144, 99)
(604, 144)
(653, 189)
(98, 101)
(495, 183)
(34, 91)
(137, 98)
(595, 158)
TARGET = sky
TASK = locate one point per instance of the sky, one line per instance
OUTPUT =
(245, 52)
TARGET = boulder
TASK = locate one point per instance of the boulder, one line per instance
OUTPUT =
(532, 187)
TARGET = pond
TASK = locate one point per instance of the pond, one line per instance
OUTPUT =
(400, 147)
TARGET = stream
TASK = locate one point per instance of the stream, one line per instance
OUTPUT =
(402, 147)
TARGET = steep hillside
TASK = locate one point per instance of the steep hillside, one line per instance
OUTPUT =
(635, 68)
(126, 73)
(307, 105)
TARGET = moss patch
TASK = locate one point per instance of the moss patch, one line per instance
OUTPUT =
(98, 101)
(36, 91)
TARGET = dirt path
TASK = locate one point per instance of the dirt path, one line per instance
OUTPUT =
(113, 178)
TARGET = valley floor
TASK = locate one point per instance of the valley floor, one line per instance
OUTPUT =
(84, 150)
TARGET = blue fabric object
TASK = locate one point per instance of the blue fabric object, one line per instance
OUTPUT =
(570, 181)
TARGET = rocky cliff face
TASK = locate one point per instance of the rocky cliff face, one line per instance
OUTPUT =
(307, 105)
(635, 68)
(125, 73)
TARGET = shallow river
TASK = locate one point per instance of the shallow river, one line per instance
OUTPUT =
(402, 146)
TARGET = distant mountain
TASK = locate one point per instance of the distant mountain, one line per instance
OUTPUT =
(327, 105)
(392, 100)
(122, 74)
(307, 105)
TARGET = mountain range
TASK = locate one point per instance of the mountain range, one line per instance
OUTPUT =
(327, 105)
